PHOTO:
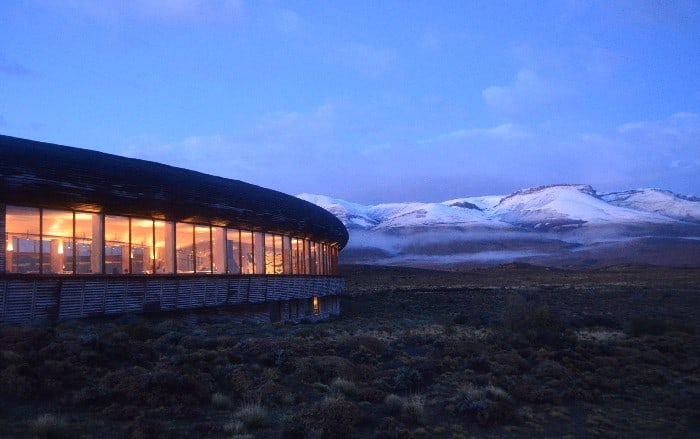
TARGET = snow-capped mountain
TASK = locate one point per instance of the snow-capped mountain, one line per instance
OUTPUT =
(549, 225)
(544, 207)
(657, 201)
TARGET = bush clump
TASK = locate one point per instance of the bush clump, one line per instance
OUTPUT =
(487, 405)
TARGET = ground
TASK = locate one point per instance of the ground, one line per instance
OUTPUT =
(510, 351)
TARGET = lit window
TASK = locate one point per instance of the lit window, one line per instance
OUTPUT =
(23, 246)
(317, 306)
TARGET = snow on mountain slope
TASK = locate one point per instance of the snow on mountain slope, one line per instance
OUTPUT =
(485, 202)
(428, 214)
(657, 201)
(565, 205)
(555, 207)
(353, 215)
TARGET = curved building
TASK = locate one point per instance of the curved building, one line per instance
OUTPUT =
(88, 233)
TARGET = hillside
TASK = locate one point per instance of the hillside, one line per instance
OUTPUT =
(560, 225)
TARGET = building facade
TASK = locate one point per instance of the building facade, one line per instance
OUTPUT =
(87, 233)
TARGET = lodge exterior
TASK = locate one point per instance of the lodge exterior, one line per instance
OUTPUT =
(88, 233)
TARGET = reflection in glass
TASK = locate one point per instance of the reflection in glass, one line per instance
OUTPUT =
(116, 251)
(164, 245)
(258, 253)
(88, 248)
(269, 254)
(23, 246)
(233, 251)
(286, 255)
(184, 243)
(57, 247)
(246, 252)
(202, 237)
(141, 246)
(218, 248)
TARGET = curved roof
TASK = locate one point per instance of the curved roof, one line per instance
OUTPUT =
(64, 177)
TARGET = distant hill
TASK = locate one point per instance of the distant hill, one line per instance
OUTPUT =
(556, 225)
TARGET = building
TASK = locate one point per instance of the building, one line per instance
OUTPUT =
(88, 233)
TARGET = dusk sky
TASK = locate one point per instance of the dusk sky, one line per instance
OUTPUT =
(369, 101)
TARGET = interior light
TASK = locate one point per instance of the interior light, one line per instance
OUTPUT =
(9, 246)
(60, 247)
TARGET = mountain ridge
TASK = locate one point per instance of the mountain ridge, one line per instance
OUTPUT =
(564, 224)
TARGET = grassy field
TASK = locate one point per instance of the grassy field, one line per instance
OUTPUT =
(510, 351)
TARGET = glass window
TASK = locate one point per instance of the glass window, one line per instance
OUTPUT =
(278, 254)
(269, 254)
(258, 252)
(313, 258)
(57, 247)
(116, 251)
(202, 238)
(233, 251)
(23, 245)
(164, 246)
(286, 255)
(88, 243)
(296, 262)
(141, 246)
(307, 257)
(247, 252)
(218, 248)
(184, 243)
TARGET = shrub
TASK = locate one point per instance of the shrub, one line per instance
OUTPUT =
(393, 404)
(221, 401)
(343, 387)
(252, 415)
(48, 425)
(334, 417)
(413, 409)
(486, 405)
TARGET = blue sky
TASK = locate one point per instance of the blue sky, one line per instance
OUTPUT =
(364, 100)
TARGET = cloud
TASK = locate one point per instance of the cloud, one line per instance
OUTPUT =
(11, 68)
(189, 12)
(528, 93)
(370, 61)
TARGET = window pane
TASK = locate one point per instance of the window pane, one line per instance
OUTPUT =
(258, 253)
(269, 254)
(88, 250)
(286, 255)
(313, 258)
(246, 252)
(202, 236)
(307, 257)
(116, 245)
(184, 239)
(57, 237)
(233, 251)
(218, 247)
(164, 245)
(141, 246)
(23, 244)
(295, 256)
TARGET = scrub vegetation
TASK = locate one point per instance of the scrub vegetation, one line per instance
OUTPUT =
(510, 351)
